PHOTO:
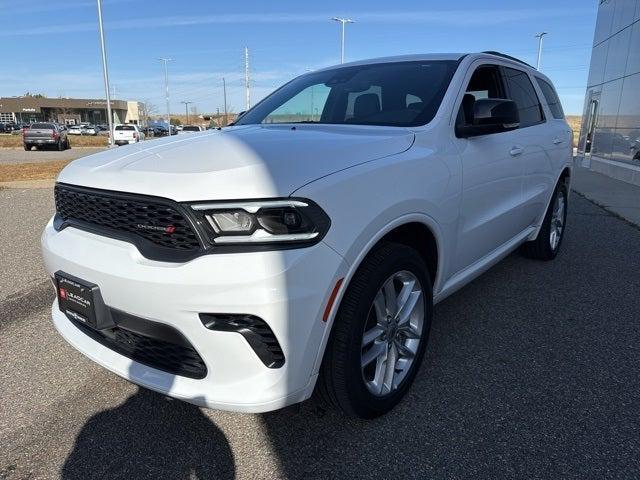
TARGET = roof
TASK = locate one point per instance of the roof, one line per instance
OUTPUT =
(427, 57)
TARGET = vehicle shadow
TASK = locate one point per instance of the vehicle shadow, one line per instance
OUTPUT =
(150, 436)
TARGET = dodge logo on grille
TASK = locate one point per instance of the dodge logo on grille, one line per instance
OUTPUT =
(169, 229)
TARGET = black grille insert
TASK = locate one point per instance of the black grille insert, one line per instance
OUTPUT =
(146, 221)
(160, 346)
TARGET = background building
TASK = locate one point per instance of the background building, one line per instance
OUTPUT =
(71, 111)
(610, 134)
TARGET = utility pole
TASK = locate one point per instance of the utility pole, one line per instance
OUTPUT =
(224, 91)
(105, 73)
(343, 22)
(186, 110)
(246, 78)
(166, 90)
(539, 37)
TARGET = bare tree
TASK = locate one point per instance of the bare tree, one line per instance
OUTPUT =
(147, 109)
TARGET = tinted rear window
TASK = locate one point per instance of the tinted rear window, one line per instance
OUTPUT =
(43, 126)
(125, 127)
(191, 129)
(551, 97)
(522, 92)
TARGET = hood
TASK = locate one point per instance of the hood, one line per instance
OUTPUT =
(252, 161)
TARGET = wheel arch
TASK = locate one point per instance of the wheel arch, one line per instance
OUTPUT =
(563, 176)
(409, 230)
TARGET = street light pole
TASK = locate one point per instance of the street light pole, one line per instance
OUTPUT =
(186, 110)
(224, 90)
(166, 90)
(539, 37)
(105, 74)
(343, 22)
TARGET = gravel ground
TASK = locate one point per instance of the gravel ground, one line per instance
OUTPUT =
(531, 372)
(19, 155)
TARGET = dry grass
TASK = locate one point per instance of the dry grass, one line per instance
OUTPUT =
(575, 121)
(31, 171)
(15, 141)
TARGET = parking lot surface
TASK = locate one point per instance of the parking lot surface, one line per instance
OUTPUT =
(531, 372)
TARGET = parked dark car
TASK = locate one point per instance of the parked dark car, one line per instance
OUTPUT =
(5, 128)
(45, 134)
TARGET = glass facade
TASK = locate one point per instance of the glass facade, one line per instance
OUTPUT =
(611, 120)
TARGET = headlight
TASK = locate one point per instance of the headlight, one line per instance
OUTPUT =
(255, 222)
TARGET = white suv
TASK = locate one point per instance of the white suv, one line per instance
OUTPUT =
(305, 246)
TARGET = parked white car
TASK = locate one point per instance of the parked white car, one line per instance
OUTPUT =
(75, 130)
(124, 134)
(305, 246)
(89, 130)
(190, 129)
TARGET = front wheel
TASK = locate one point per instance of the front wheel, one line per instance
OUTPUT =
(547, 244)
(379, 334)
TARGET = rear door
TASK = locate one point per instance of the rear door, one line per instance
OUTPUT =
(537, 136)
(561, 144)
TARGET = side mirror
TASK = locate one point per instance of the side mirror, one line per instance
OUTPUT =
(490, 115)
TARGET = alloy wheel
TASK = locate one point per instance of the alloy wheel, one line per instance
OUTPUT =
(557, 221)
(392, 333)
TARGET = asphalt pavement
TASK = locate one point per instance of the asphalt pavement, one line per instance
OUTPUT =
(532, 371)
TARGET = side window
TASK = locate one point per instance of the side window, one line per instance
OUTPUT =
(551, 97)
(486, 82)
(522, 92)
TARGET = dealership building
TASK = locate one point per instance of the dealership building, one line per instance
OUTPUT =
(70, 111)
(610, 133)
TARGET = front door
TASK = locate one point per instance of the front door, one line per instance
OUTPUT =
(490, 209)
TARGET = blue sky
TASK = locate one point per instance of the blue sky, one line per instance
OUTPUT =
(52, 47)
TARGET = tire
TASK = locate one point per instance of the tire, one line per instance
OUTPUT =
(343, 382)
(27, 147)
(67, 145)
(60, 146)
(545, 246)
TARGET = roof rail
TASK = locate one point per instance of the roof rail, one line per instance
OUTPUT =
(504, 55)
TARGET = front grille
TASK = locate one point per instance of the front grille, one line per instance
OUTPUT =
(155, 352)
(154, 220)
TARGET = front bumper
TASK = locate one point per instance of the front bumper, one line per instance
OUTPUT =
(287, 289)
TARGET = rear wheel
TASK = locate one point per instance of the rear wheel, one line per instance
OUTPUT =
(379, 334)
(27, 147)
(547, 244)
(60, 145)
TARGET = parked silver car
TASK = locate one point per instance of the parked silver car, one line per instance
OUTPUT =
(45, 134)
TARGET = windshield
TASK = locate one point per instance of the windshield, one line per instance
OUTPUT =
(403, 94)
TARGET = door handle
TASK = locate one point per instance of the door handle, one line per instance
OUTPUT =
(516, 150)
(557, 141)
